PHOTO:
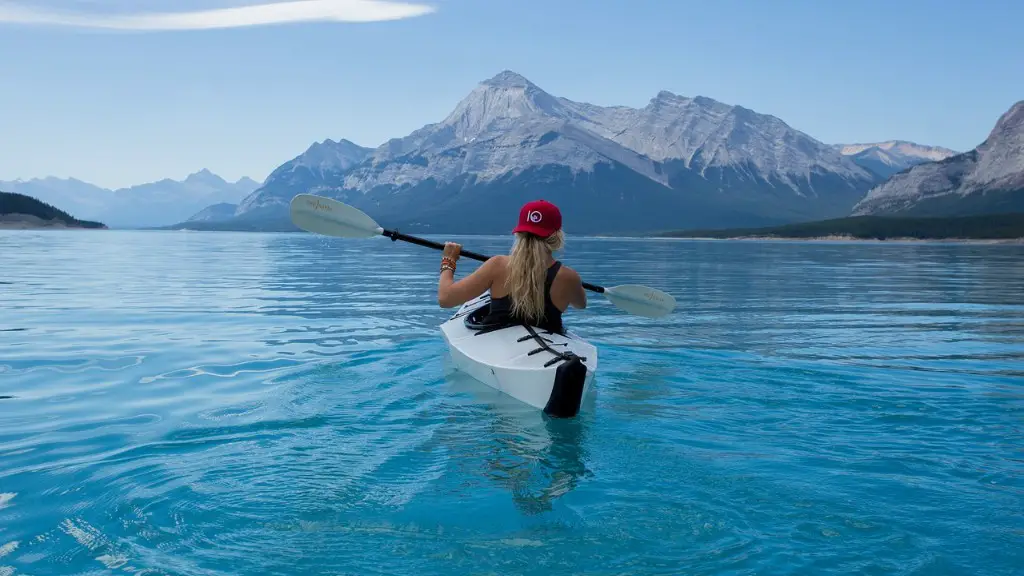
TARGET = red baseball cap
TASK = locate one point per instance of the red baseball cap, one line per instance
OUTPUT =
(539, 217)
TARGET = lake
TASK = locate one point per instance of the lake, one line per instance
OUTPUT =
(230, 403)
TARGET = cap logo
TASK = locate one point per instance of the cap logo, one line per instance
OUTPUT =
(534, 216)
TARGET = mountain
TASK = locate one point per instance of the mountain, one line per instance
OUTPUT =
(988, 179)
(677, 161)
(19, 211)
(893, 156)
(169, 201)
(322, 162)
(147, 205)
(215, 213)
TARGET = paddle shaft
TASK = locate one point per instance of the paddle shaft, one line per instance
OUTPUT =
(395, 235)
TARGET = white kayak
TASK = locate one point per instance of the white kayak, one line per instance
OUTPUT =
(551, 372)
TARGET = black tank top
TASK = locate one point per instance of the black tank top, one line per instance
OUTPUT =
(501, 308)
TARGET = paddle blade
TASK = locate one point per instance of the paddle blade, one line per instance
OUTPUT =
(641, 300)
(329, 217)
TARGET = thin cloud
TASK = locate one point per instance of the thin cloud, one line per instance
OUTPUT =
(281, 12)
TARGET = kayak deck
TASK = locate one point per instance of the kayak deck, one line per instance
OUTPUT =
(549, 371)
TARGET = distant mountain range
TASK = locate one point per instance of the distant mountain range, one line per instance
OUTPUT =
(677, 162)
(986, 180)
(888, 158)
(154, 204)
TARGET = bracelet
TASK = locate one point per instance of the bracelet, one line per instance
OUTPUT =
(447, 267)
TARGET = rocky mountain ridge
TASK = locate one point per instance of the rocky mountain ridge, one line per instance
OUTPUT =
(674, 162)
(988, 179)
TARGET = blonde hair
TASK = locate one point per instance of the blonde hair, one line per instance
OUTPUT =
(527, 268)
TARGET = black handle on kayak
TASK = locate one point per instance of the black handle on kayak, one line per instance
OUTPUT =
(396, 235)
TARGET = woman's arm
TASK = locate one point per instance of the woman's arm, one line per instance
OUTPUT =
(579, 294)
(451, 293)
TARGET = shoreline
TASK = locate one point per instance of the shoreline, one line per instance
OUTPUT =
(21, 221)
(838, 238)
(31, 226)
(844, 238)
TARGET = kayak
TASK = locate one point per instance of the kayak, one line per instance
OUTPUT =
(551, 372)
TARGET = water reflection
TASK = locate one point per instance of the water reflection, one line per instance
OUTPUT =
(539, 459)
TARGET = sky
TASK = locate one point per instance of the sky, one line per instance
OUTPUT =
(121, 92)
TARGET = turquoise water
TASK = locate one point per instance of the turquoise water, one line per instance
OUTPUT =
(219, 403)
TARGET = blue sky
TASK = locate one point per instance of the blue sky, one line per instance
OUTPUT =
(100, 91)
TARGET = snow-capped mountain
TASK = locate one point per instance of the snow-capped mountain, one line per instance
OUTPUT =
(505, 126)
(988, 179)
(888, 158)
(675, 162)
(321, 163)
(705, 133)
(161, 203)
(900, 148)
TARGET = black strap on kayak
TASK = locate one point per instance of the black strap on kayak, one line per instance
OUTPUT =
(570, 378)
(559, 356)
(472, 322)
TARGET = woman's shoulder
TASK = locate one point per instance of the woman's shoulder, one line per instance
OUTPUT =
(568, 273)
(498, 260)
(495, 264)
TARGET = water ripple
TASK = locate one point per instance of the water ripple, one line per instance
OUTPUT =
(191, 403)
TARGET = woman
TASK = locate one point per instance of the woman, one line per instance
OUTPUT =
(528, 285)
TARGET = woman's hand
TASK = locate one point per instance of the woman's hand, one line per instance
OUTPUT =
(452, 250)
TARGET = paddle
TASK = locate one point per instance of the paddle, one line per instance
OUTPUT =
(330, 217)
